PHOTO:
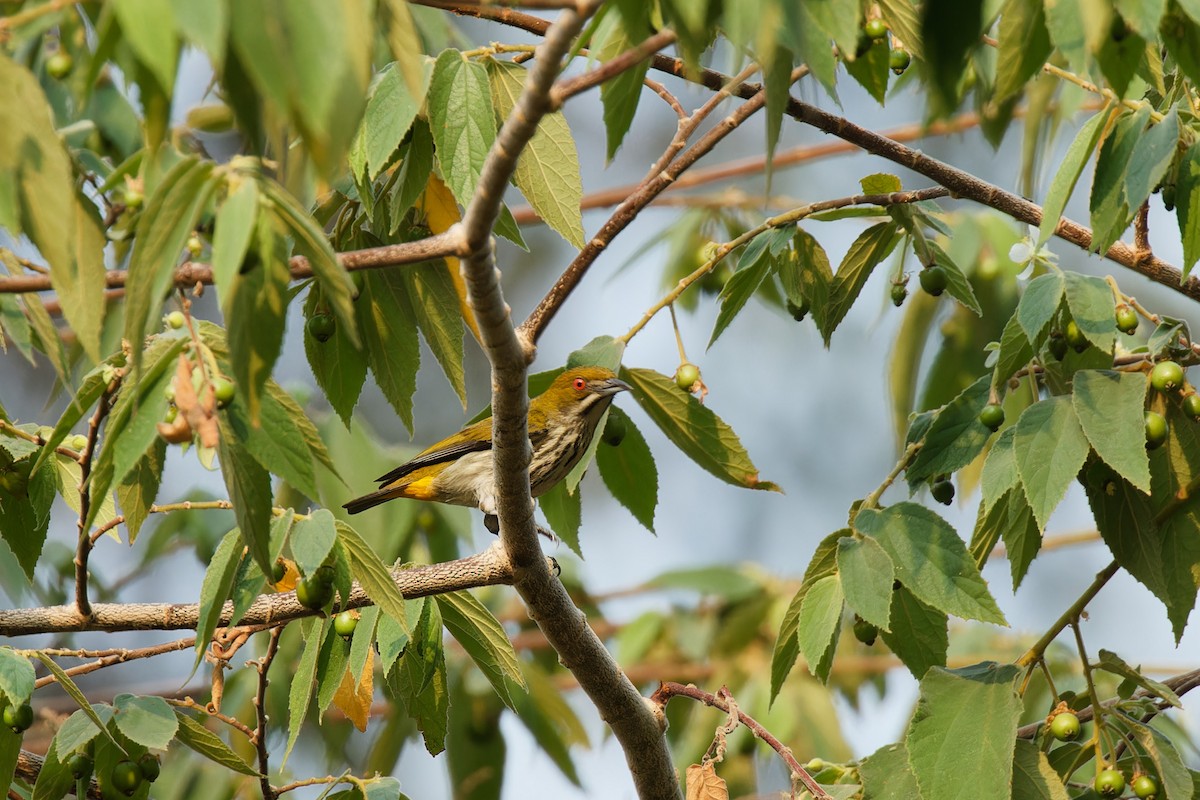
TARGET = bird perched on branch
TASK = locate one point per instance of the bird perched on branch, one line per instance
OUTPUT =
(458, 469)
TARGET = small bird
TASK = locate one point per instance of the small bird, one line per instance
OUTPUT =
(458, 470)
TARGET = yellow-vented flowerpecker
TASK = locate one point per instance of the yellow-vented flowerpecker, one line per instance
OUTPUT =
(458, 470)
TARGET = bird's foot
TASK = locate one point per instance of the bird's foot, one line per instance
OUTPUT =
(492, 523)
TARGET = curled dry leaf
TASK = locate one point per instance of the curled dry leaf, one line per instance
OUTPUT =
(703, 783)
(197, 411)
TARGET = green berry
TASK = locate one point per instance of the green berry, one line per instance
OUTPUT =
(933, 279)
(345, 623)
(224, 390)
(1145, 787)
(1075, 337)
(942, 491)
(1064, 726)
(614, 430)
(126, 777)
(321, 327)
(59, 65)
(815, 765)
(798, 310)
(1127, 319)
(686, 376)
(176, 320)
(314, 593)
(1168, 197)
(278, 571)
(899, 293)
(19, 717)
(898, 60)
(992, 416)
(1109, 783)
(875, 29)
(172, 413)
(1167, 376)
(1191, 406)
(864, 631)
(1156, 429)
(150, 767)
(80, 766)
(133, 197)
(78, 442)
(1057, 345)
(326, 573)
(194, 246)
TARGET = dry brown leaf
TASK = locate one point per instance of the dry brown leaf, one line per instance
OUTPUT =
(354, 697)
(703, 783)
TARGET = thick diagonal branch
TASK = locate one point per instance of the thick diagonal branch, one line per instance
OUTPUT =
(580, 650)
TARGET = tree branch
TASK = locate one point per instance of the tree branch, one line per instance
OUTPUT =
(580, 650)
(489, 568)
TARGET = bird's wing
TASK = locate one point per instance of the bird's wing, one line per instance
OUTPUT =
(439, 456)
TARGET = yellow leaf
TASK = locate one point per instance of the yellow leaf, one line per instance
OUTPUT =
(441, 212)
(354, 697)
(703, 783)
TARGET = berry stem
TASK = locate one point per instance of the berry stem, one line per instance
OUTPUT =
(683, 359)
(906, 458)
(1097, 708)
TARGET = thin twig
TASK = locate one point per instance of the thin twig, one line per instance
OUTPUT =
(671, 689)
(263, 665)
(110, 658)
(83, 546)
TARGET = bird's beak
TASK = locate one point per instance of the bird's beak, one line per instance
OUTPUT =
(612, 386)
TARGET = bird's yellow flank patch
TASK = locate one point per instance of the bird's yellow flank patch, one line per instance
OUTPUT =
(420, 489)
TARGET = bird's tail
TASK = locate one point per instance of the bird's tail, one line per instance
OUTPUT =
(370, 500)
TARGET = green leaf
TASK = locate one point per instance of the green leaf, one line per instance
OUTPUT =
(419, 680)
(257, 307)
(339, 367)
(53, 779)
(79, 729)
(547, 171)
(1119, 58)
(206, 27)
(950, 30)
(930, 560)
(1032, 775)
(1039, 303)
(39, 191)
(215, 589)
(955, 438)
(818, 624)
(919, 634)
(1187, 199)
(208, 744)
(902, 17)
(1176, 780)
(1024, 46)
(867, 574)
(787, 646)
(146, 720)
(1110, 212)
(390, 335)
(16, 676)
(1090, 301)
(806, 275)
(391, 109)
(754, 265)
(966, 718)
(731, 584)
(137, 491)
(435, 304)
(484, 639)
(958, 285)
(1073, 162)
(301, 687)
(886, 775)
(1111, 662)
(1153, 153)
(1110, 407)
(1015, 352)
(564, 513)
(872, 71)
(777, 80)
(1142, 15)
(694, 428)
(459, 104)
(277, 441)
(999, 469)
(629, 471)
(336, 287)
(375, 578)
(25, 518)
(69, 686)
(149, 28)
(312, 540)
(249, 487)
(234, 230)
(277, 402)
(1049, 447)
(619, 94)
(871, 247)
(169, 218)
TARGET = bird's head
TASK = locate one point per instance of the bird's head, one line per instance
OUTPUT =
(578, 391)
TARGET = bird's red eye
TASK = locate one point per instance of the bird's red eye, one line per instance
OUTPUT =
(579, 384)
